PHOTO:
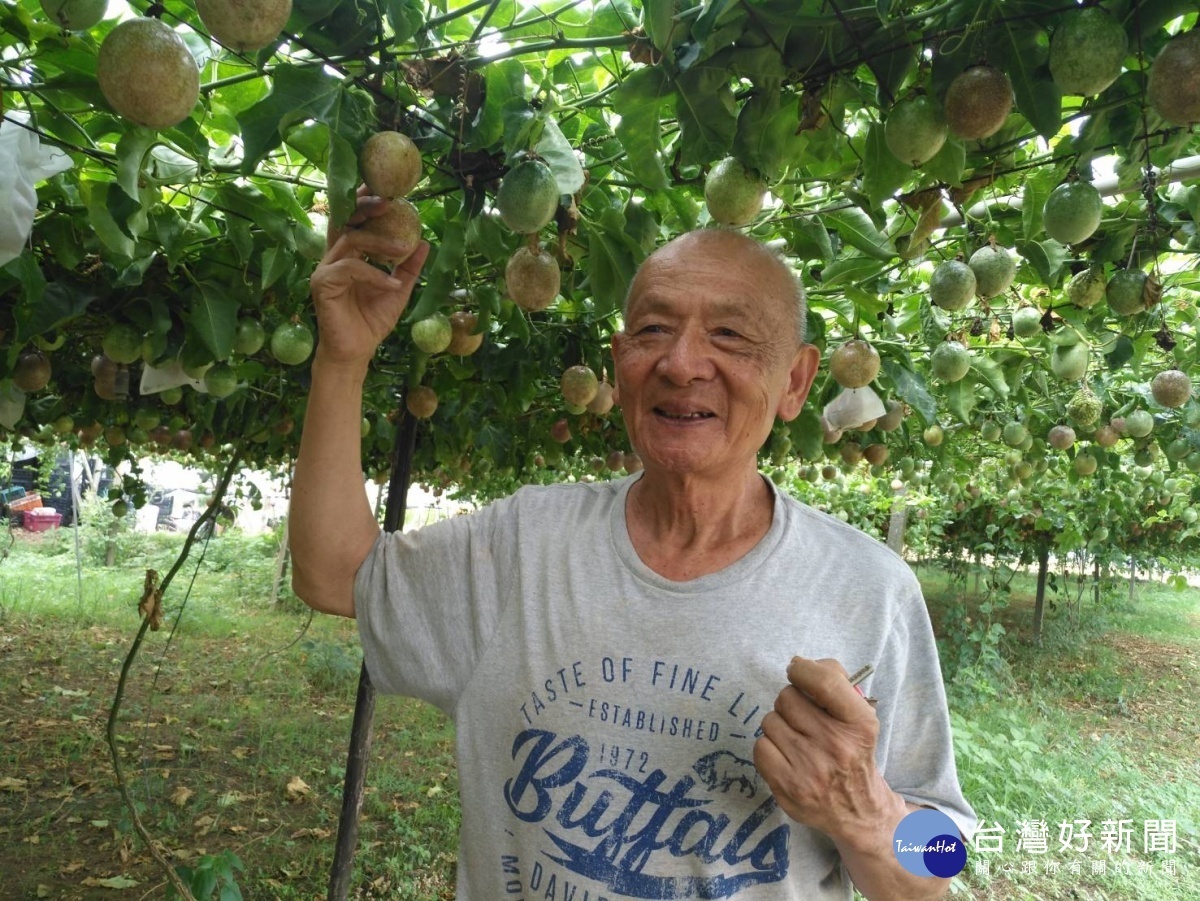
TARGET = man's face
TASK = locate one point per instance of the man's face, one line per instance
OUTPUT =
(708, 358)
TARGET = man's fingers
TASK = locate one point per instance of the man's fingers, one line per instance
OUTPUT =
(366, 205)
(826, 683)
(413, 265)
(354, 243)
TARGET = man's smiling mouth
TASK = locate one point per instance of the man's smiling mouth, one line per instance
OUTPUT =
(684, 415)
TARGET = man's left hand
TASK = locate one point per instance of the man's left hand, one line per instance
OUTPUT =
(817, 754)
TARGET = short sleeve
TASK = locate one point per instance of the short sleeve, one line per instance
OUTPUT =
(427, 601)
(917, 747)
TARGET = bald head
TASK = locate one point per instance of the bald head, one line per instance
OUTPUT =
(772, 275)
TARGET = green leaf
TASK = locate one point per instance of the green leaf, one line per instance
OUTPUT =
(1047, 259)
(810, 240)
(638, 100)
(991, 373)
(251, 204)
(852, 269)
(299, 93)
(520, 121)
(276, 261)
(558, 154)
(883, 174)
(706, 112)
(342, 178)
(960, 400)
(948, 163)
(1033, 198)
(505, 82)
(442, 270)
(857, 230)
(910, 387)
(1037, 97)
(611, 263)
(890, 66)
(405, 16)
(1121, 354)
(806, 433)
(213, 318)
(131, 150)
(45, 307)
(766, 137)
(95, 197)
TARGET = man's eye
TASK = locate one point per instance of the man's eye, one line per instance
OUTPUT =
(651, 329)
(726, 333)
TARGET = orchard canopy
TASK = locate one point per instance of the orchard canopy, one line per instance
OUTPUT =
(885, 140)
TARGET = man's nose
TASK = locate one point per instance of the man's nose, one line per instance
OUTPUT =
(687, 358)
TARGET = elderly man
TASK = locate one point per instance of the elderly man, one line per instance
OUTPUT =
(646, 675)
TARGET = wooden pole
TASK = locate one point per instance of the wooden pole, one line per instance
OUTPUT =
(1039, 604)
(364, 702)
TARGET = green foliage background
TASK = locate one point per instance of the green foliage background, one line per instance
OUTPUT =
(183, 232)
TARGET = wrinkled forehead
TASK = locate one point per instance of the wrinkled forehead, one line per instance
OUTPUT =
(729, 276)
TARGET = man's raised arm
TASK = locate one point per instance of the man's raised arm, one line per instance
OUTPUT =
(331, 527)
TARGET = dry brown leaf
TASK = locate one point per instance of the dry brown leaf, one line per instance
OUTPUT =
(151, 603)
(181, 795)
(315, 832)
(73, 867)
(203, 825)
(12, 784)
(297, 789)
(241, 752)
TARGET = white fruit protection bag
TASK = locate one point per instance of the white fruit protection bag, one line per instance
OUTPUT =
(23, 163)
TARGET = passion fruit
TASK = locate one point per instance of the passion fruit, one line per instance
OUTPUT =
(733, 194)
(854, 364)
(528, 197)
(1087, 51)
(1072, 212)
(978, 102)
(422, 402)
(950, 361)
(1086, 288)
(1070, 362)
(399, 223)
(75, 15)
(291, 343)
(1060, 437)
(915, 130)
(1125, 292)
(994, 270)
(433, 333)
(390, 164)
(464, 340)
(952, 285)
(1174, 85)
(579, 385)
(32, 371)
(532, 278)
(1026, 322)
(244, 25)
(147, 74)
(1171, 388)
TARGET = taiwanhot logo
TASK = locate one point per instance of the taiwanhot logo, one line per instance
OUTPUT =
(927, 843)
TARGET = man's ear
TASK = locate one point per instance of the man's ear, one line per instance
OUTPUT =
(800, 380)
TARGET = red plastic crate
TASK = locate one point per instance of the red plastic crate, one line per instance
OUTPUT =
(42, 519)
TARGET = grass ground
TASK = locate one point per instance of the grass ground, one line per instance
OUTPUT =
(234, 733)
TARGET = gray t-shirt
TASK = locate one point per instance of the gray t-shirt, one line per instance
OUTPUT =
(606, 716)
